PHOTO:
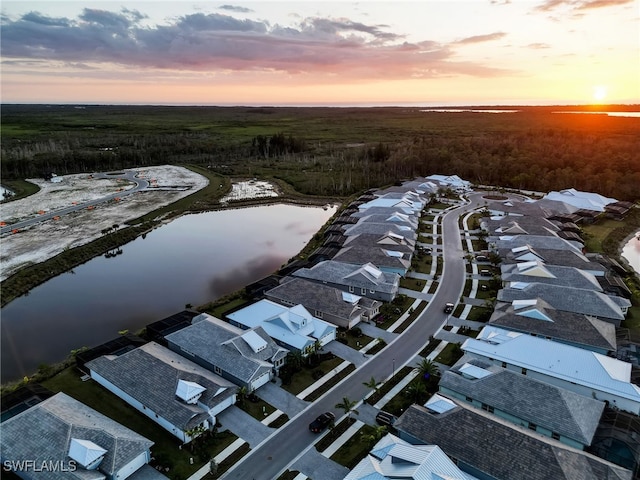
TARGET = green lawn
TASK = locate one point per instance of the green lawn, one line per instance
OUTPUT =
(450, 355)
(412, 283)
(303, 378)
(257, 410)
(354, 449)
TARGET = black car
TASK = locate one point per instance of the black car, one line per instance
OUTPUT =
(320, 423)
(448, 308)
(385, 419)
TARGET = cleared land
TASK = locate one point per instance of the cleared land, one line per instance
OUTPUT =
(47, 239)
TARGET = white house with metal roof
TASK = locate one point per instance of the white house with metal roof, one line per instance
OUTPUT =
(394, 458)
(582, 371)
(291, 327)
(454, 182)
(580, 200)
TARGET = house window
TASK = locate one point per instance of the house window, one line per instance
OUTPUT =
(504, 364)
(217, 370)
(532, 426)
(372, 292)
(524, 371)
(468, 399)
(363, 291)
(487, 408)
(351, 289)
(555, 436)
(318, 314)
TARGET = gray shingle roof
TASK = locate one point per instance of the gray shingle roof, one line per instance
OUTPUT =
(530, 225)
(44, 432)
(577, 300)
(501, 450)
(315, 296)
(572, 327)
(222, 345)
(565, 258)
(383, 211)
(561, 275)
(150, 375)
(350, 275)
(557, 409)
(378, 229)
(389, 242)
(357, 255)
(535, 241)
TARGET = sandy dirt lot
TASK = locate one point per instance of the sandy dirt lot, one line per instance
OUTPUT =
(47, 239)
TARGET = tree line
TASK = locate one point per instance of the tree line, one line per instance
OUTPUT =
(534, 158)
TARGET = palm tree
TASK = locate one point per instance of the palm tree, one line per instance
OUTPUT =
(295, 359)
(378, 432)
(428, 369)
(242, 394)
(348, 406)
(372, 383)
(416, 391)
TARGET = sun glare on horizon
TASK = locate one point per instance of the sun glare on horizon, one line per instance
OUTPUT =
(599, 93)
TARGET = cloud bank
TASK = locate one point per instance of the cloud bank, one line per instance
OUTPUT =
(217, 42)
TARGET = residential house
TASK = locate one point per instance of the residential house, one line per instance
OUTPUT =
(381, 228)
(294, 328)
(248, 358)
(393, 458)
(177, 394)
(336, 306)
(387, 260)
(582, 371)
(365, 280)
(61, 438)
(517, 275)
(407, 203)
(389, 241)
(577, 300)
(532, 241)
(395, 218)
(580, 200)
(386, 211)
(539, 319)
(490, 448)
(453, 182)
(567, 258)
(553, 411)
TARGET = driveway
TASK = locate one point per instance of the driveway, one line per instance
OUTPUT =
(244, 426)
(281, 399)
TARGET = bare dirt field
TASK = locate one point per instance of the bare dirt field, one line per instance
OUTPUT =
(47, 239)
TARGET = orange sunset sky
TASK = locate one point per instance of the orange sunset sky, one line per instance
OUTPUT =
(480, 52)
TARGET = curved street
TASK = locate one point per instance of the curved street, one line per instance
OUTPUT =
(141, 184)
(276, 453)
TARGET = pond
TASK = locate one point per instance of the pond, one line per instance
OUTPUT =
(194, 259)
(631, 252)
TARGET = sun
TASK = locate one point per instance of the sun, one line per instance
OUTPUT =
(599, 93)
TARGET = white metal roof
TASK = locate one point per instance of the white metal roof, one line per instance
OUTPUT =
(439, 404)
(558, 360)
(474, 371)
(85, 452)
(350, 298)
(255, 341)
(188, 391)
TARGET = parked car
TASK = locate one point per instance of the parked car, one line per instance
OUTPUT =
(448, 308)
(385, 419)
(485, 273)
(482, 258)
(322, 422)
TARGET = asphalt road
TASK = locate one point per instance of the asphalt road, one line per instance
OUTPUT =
(131, 176)
(267, 460)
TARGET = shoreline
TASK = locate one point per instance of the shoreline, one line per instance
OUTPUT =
(624, 261)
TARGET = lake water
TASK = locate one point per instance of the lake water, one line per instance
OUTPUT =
(610, 114)
(193, 259)
(631, 252)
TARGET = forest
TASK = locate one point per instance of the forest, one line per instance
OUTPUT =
(332, 151)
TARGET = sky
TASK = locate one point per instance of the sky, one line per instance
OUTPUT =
(446, 52)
